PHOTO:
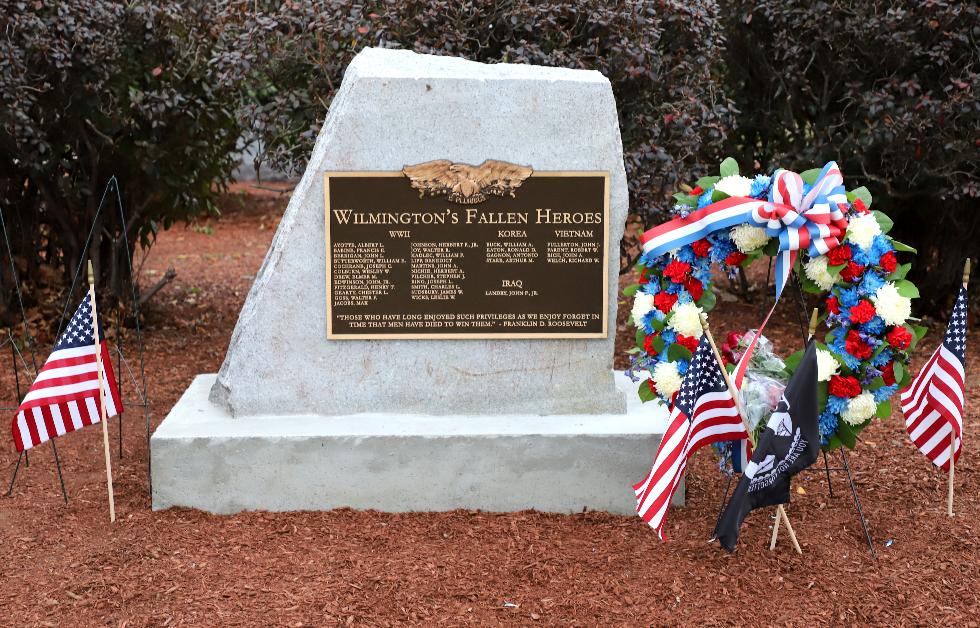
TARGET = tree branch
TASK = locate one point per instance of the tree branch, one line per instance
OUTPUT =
(168, 276)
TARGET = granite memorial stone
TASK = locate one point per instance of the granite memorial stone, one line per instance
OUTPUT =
(433, 325)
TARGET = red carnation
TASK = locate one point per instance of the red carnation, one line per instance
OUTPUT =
(735, 258)
(695, 287)
(729, 346)
(863, 312)
(697, 191)
(839, 255)
(833, 305)
(857, 347)
(677, 271)
(852, 271)
(688, 342)
(844, 386)
(888, 374)
(899, 337)
(859, 205)
(648, 345)
(664, 301)
(701, 247)
(644, 279)
(888, 262)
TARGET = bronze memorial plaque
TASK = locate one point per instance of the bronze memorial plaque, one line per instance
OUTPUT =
(445, 250)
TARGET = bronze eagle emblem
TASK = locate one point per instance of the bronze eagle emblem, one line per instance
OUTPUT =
(466, 184)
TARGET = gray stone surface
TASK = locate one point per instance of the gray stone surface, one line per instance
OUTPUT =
(396, 108)
(203, 458)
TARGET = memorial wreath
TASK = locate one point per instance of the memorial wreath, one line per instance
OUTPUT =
(816, 230)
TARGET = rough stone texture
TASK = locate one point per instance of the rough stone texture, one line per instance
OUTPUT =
(203, 458)
(396, 108)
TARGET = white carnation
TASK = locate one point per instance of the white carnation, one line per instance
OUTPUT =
(816, 270)
(666, 378)
(860, 409)
(642, 304)
(862, 230)
(735, 185)
(748, 238)
(827, 365)
(685, 319)
(892, 307)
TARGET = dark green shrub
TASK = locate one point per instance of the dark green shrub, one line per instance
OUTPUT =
(146, 91)
(663, 60)
(888, 89)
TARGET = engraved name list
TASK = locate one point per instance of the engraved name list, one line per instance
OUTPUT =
(443, 250)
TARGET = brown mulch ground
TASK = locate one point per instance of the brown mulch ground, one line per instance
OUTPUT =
(66, 566)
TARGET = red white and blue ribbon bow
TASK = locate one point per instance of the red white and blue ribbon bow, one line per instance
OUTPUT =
(814, 221)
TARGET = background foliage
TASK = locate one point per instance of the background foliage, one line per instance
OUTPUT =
(888, 89)
(159, 93)
(93, 88)
(664, 61)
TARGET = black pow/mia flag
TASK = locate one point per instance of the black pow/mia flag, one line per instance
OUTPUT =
(789, 443)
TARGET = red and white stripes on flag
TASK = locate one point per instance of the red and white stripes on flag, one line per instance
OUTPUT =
(933, 402)
(704, 412)
(65, 395)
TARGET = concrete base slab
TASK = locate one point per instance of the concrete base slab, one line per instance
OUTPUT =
(204, 458)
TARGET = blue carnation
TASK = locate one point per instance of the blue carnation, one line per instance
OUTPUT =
(669, 336)
(871, 283)
(651, 287)
(705, 199)
(686, 254)
(879, 246)
(648, 319)
(836, 404)
(760, 186)
(828, 426)
(684, 297)
(885, 392)
(858, 256)
(702, 274)
(875, 326)
(848, 297)
(882, 358)
(682, 366)
(721, 246)
(675, 288)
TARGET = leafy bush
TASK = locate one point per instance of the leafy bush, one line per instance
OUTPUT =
(888, 89)
(663, 59)
(89, 89)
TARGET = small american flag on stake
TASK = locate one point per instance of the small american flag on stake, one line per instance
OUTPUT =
(65, 395)
(933, 402)
(704, 412)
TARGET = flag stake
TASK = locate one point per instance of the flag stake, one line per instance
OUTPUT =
(102, 399)
(780, 511)
(781, 515)
(952, 432)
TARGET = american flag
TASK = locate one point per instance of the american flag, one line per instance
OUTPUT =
(65, 395)
(933, 402)
(704, 412)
